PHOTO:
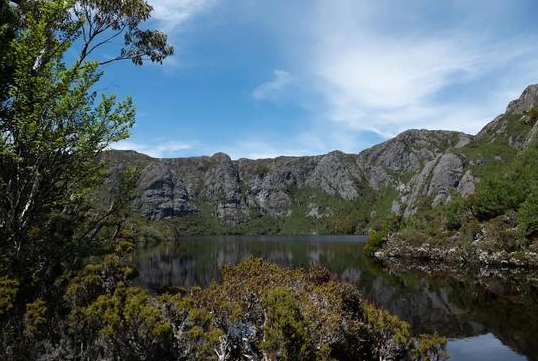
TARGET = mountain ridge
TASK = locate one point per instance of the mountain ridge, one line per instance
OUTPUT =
(415, 167)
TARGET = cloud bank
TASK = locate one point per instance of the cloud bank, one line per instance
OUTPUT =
(389, 79)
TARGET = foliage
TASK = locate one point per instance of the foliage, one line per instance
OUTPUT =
(374, 241)
(377, 237)
(386, 323)
(285, 330)
(99, 278)
(54, 125)
(430, 348)
(259, 310)
(528, 214)
(499, 196)
(111, 319)
(281, 314)
(495, 196)
(8, 292)
(456, 211)
(508, 186)
(36, 316)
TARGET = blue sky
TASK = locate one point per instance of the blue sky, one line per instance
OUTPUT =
(259, 78)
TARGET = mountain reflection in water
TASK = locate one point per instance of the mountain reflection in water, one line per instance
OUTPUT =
(497, 316)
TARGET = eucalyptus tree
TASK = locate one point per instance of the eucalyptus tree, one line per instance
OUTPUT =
(54, 125)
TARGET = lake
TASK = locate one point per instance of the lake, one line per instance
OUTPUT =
(485, 318)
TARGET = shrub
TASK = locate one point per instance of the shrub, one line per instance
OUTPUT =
(285, 329)
(297, 315)
(497, 195)
(414, 235)
(8, 291)
(528, 215)
(471, 229)
(258, 311)
(35, 316)
(427, 348)
(374, 241)
(455, 213)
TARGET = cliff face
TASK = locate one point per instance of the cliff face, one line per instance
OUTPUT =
(232, 189)
(416, 166)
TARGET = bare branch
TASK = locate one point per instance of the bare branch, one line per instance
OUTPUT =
(106, 40)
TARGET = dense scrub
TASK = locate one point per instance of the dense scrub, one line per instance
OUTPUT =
(259, 311)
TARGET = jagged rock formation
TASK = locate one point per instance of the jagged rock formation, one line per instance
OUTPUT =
(525, 102)
(497, 129)
(177, 187)
(416, 166)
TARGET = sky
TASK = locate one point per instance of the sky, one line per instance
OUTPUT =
(260, 78)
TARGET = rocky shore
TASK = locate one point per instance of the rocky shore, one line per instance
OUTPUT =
(478, 252)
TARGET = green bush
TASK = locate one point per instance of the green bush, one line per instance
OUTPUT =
(455, 213)
(374, 241)
(411, 234)
(35, 316)
(495, 196)
(528, 215)
(427, 348)
(471, 229)
(285, 329)
(8, 292)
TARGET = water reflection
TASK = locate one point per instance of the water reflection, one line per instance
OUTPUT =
(460, 307)
(197, 260)
(492, 349)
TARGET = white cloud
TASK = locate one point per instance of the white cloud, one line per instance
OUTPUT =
(269, 90)
(173, 13)
(388, 80)
(159, 150)
(389, 85)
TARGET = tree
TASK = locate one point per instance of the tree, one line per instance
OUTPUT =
(54, 125)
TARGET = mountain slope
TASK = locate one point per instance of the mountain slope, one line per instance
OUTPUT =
(416, 169)
(235, 192)
(494, 218)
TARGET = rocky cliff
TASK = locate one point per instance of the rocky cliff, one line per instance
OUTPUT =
(416, 167)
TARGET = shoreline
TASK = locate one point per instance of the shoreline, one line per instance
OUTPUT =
(472, 254)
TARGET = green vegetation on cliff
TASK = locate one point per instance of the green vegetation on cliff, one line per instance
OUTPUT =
(313, 211)
(501, 215)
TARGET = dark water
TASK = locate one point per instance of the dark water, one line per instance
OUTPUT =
(485, 318)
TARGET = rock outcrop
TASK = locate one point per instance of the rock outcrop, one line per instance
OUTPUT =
(527, 100)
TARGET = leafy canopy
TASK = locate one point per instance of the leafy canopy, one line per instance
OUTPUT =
(54, 124)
